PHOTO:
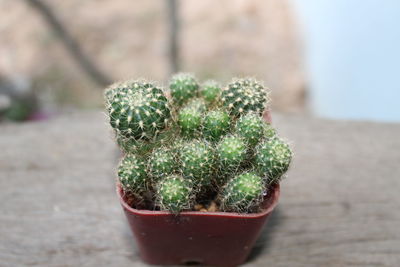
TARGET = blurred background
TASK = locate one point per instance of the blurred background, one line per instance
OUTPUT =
(336, 59)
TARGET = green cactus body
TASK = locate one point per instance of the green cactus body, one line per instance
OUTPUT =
(183, 86)
(137, 109)
(198, 162)
(268, 131)
(231, 153)
(132, 174)
(251, 127)
(198, 104)
(242, 192)
(189, 121)
(161, 163)
(244, 95)
(175, 193)
(272, 158)
(211, 92)
(216, 123)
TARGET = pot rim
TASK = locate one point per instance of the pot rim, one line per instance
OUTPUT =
(268, 209)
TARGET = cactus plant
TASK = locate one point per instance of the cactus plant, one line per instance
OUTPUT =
(137, 109)
(242, 192)
(183, 86)
(211, 91)
(132, 174)
(216, 124)
(161, 163)
(272, 158)
(198, 162)
(231, 153)
(189, 121)
(198, 104)
(175, 193)
(244, 95)
(251, 127)
(209, 143)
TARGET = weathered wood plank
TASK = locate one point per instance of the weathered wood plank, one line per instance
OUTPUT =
(340, 205)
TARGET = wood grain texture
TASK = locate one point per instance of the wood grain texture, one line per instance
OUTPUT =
(340, 205)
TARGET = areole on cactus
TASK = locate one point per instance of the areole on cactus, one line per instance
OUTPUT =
(204, 144)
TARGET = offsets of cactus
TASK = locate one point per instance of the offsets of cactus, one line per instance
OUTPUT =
(196, 145)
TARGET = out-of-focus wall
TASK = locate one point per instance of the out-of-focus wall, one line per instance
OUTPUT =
(352, 56)
(218, 39)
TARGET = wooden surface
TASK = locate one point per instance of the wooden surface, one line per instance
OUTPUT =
(340, 205)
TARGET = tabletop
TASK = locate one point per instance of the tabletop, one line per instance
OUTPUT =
(339, 205)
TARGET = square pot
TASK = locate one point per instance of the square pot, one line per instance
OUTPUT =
(195, 237)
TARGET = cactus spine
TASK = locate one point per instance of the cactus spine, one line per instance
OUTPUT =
(175, 193)
(137, 109)
(272, 158)
(244, 95)
(242, 192)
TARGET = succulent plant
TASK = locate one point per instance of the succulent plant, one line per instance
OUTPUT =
(132, 174)
(161, 163)
(189, 121)
(269, 132)
(216, 123)
(183, 86)
(272, 158)
(210, 147)
(197, 162)
(242, 192)
(244, 95)
(211, 91)
(198, 104)
(251, 127)
(175, 193)
(231, 152)
(137, 109)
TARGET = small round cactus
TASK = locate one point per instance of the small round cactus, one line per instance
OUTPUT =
(198, 104)
(189, 121)
(268, 131)
(242, 192)
(216, 123)
(272, 158)
(183, 86)
(197, 162)
(211, 91)
(137, 109)
(244, 95)
(175, 193)
(132, 174)
(231, 153)
(251, 127)
(161, 163)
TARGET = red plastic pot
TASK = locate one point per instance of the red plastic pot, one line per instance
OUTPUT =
(194, 237)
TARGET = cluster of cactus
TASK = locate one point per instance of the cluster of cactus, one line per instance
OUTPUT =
(202, 144)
